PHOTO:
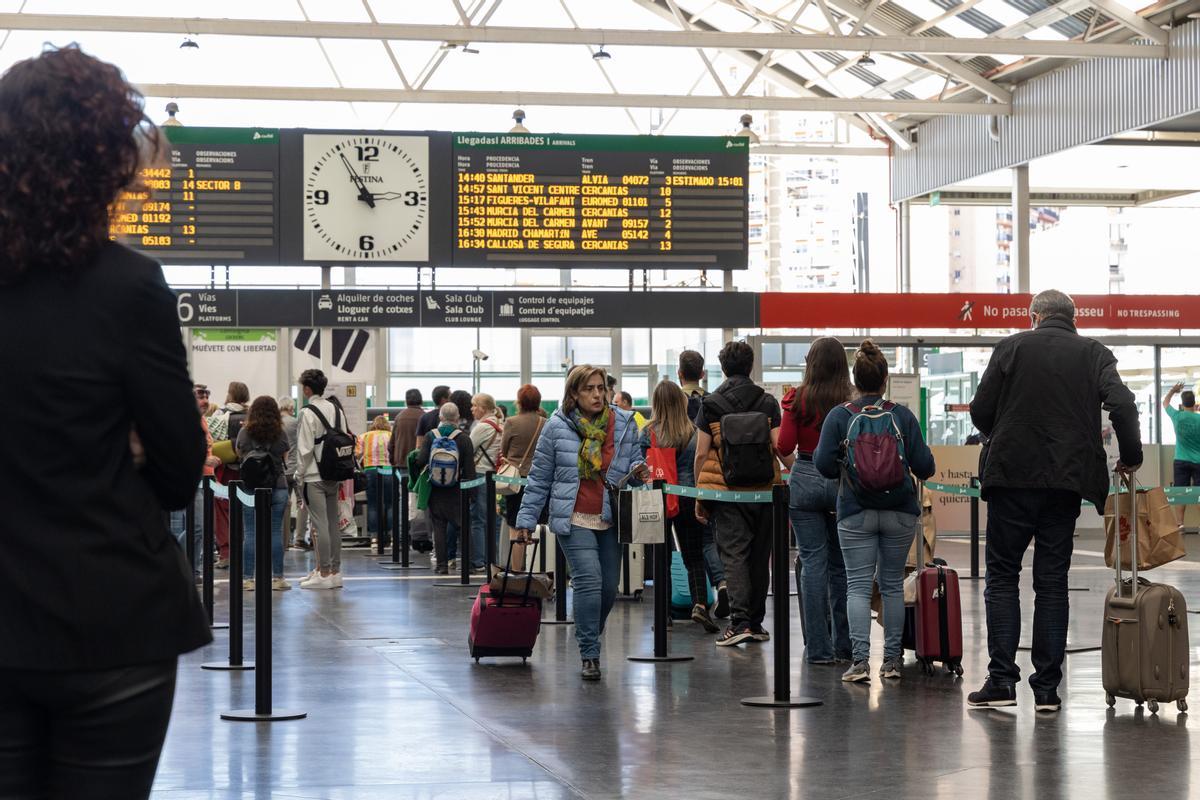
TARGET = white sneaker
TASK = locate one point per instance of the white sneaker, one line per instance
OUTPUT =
(280, 585)
(336, 577)
(318, 582)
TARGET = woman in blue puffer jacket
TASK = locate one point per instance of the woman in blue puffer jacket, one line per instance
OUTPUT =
(586, 446)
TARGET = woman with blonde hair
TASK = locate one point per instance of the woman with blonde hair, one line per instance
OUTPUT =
(668, 444)
(376, 444)
(586, 447)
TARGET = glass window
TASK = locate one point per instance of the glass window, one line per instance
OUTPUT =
(1179, 365)
(635, 346)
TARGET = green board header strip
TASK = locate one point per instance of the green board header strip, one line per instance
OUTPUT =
(603, 143)
(182, 134)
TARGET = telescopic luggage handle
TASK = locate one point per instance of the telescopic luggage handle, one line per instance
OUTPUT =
(1126, 481)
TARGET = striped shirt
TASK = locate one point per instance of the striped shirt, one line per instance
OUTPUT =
(375, 449)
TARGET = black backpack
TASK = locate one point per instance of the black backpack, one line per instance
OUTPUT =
(746, 455)
(259, 469)
(337, 456)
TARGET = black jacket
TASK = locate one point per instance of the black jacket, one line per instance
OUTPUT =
(90, 577)
(1039, 405)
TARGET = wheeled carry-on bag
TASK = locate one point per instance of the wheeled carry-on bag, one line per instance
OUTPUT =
(937, 615)
(505, 624)
(1144, 647)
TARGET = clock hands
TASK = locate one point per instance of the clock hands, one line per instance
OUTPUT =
(388, 195)
(363, 194)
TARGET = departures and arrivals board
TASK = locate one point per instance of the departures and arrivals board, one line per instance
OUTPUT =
(567, 200)
(267, 197)
(214, 201)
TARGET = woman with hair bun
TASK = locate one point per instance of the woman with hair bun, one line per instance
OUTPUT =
(96, 597)
(876, 527)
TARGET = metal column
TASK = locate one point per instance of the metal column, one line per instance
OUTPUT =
(1020, 223)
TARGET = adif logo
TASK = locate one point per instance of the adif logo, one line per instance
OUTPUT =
(259, 135)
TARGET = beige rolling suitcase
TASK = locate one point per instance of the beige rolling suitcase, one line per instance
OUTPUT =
(1145, 641)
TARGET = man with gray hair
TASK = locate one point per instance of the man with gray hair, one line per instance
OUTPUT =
(445, 502)
(1039, 404)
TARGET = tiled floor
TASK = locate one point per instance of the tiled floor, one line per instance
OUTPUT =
(397, 709)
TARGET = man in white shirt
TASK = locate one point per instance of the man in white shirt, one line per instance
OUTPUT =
(321, 496)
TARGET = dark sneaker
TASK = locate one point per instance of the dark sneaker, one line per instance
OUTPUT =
(992, 696)
(859, 672)
(701, 617)
(1047, 701)
(891, 668)
(759, 633)
(591, 669)
(721, 610)
(733, 636)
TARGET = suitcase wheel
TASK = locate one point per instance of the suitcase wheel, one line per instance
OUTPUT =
(477, 660)
(1108, 698)
(1152, 705)
(1181, 704)
(956, 669)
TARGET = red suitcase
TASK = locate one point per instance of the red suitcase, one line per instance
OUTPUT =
(938, 618)
(504, 624)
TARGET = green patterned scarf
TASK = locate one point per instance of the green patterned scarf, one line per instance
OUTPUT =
(591, 448)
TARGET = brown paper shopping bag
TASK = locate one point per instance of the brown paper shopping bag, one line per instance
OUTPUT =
(1160, 539)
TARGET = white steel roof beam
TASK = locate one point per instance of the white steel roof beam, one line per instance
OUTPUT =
(845, 105)
(892, 41)
(1132, 20)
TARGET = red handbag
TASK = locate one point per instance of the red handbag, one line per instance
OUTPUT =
(661, 461)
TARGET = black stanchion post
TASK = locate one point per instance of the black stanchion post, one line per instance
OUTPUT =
(381, 514)
(560, 586)
(401, 538)
(464, 543)
(974, 531)
(489, 483)
(782, 694)
(236, 541)
(206, 557)
(662, 593)
(262, 620)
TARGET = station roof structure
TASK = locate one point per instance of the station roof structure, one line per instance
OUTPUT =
(885, 65)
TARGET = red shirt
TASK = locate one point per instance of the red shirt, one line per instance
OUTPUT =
(590, 499)
(793, 436)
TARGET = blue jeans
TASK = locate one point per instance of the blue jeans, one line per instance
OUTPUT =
(822, 571)
(875, 545)
(374, 503)
(712, 559)
(279, 498)
(595, 561)
(479, 527)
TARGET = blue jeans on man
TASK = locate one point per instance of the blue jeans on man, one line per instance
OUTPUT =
(812, 507)
(279, 498)
(875, 546)
(595, 561)
(1017, 517)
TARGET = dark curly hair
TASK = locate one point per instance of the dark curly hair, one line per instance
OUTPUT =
(73, 134)
(264, 423)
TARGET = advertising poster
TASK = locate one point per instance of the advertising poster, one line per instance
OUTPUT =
(223, 355)
(353, 353)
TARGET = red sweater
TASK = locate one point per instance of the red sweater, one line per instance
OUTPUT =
(792, 436)
(590, 499)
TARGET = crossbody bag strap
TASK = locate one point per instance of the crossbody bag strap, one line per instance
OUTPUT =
(532, 440)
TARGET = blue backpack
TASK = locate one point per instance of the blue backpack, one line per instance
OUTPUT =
(874, 460)
(443, 459)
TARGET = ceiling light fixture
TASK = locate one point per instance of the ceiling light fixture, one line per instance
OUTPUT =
(747, 121)
(470, 50)
(600, 55)
(519, 118)
(865, 60)
(189, 44)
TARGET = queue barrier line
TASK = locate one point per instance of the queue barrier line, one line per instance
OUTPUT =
(1176, 495)
(473, 483)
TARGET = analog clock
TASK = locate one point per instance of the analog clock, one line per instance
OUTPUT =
(366, 197)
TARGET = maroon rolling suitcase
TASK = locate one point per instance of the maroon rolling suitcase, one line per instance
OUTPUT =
(938, 615)
(505, 624)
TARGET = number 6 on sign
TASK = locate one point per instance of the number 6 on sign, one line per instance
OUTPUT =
(184, 307)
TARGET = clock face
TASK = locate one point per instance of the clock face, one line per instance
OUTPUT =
(366, 198)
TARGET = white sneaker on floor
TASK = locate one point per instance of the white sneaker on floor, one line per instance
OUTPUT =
(336, 577)
(318, 582)
(280, 585)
